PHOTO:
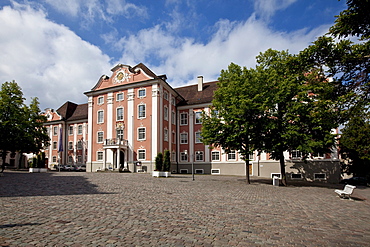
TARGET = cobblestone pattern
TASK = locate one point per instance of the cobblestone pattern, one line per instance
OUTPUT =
(100, 209)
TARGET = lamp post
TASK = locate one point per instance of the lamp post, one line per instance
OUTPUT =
(192, 163)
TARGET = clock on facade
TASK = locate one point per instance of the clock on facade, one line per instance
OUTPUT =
(121, 76)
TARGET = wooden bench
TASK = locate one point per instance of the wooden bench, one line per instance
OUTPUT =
(346, 192)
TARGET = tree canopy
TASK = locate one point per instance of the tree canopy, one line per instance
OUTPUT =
(21, 126)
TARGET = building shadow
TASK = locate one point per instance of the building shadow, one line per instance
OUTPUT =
(18, 184)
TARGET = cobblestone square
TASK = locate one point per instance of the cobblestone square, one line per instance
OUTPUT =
(123, 209)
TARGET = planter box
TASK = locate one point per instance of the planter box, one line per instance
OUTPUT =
(38, 170)
(161, 174)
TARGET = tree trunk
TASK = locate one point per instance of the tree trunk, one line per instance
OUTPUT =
(4, 159)
(247, 171)
(282, 168)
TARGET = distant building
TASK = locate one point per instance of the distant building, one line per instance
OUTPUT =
(134, 114)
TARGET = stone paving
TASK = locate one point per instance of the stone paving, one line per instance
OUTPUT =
(122, 209)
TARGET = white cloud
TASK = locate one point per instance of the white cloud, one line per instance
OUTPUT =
(183, 59)
(46, 59)
(267, 8)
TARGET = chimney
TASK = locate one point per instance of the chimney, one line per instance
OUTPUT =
(200, 83)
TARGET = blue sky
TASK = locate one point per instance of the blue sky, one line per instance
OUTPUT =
(58, 49)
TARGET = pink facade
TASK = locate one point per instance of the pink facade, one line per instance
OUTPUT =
(134, 114)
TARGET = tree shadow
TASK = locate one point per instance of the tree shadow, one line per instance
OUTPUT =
(18, 184)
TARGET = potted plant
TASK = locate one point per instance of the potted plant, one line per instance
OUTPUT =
(38, 163)
(162, 165)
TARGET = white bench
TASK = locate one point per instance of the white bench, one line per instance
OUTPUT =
(346, 192)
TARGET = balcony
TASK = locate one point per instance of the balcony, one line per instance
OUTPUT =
(115, 143)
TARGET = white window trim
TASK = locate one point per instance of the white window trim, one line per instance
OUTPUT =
(55, 133)
(187, 138)
(166, 113)
(184, 154)
(123, 113)
(98, 116)
(123, 96)
(70, 145)
(55, 147)
(99, 99)
(138, 93)
(197, 120)
(138, 156)
(198, 140)
(187, 118)
(97, 135)
(201, 153)
(138, 111)
(78, 129)
(138, 134)
(97, 156)
(219, 155)
(215, 171)
(54, 158)
(70, 133)
(165, 134)
(230, 154)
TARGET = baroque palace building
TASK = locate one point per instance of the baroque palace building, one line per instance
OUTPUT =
(134, 114)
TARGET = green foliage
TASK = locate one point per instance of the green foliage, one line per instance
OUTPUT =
(21, 126)
(166, 161)
(355, 142)
(159, 162)
(354, 21)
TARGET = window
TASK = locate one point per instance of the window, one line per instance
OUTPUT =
(198, 116)
(79, 131)
(319, 176)
(173, 137)
(99, 156)
(141, 110)
(141, 154)
(199, 171)
(183, 119)
(54, 145)
(173, 156)
(198, 137)
(173, 118)
(79, 159)
(173, 101)
(141, 133)
(54, 159)
(79, 145)
(100, 116)
(165, 95)
(296, 154)
(142, 93)
(100, 100)
(183, 156)
(231, 155)
(70, 130)
(55, 130)
(199, 155)
(251, 156)
(166, 135)
(296, 176)
(184, 138)
(215, 156)
(119, 97)
(215, 171)
(70, 145)
(70, 159)
(166, 113)
(120, 134)
(275, 175)
(119, 114)
(100, 136)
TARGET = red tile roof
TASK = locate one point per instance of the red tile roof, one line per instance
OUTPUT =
(192, 96)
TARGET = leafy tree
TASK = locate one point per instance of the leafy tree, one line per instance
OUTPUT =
(21, 127)
(355, 142)
(159, 162)
(354, 21)
(235, 122)
(300, 108)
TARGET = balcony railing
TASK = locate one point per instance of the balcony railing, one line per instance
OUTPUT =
(115, 142)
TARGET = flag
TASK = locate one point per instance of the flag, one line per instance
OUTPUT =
(60, 148)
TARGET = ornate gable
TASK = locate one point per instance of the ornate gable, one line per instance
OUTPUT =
(125, 74)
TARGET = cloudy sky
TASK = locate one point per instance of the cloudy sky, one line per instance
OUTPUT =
(58, 49)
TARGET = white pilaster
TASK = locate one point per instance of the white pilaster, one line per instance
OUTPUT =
(130, 122)
(191, 134)
(154, 125)
(90, 134)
